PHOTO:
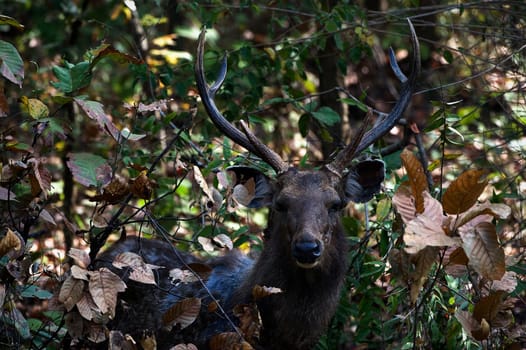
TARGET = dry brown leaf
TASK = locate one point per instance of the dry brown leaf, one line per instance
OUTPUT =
(400, 265)
(12, 243)
(404, 203)
(183, 276)
(489, 306)
(96, 333)
(183, 313)
(423, 261)
(117, 341)
(141, 272)
(223, 241)
(507, 283)
(113, 192)
(482, 248)
(79, 273)
(128, 259)
(259, 292)
(201, 182)
(71, 292)
(81, 257)
(148, 342)
(417, 178)
(104, 286)
(244, 193)
(2, 294)
(456, 256)
(74, 324)
(184, 347)
(424, 232)
(229, 341)
(142, 186)
(41, 175)
(249, 321)
(464, 191)
(484, 212)
(206, 243)
(87, 307)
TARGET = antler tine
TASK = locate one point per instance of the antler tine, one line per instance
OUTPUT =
(247, 139)
(346, 155)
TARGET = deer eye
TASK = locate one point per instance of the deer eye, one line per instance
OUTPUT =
(281, 206)
(335, 206)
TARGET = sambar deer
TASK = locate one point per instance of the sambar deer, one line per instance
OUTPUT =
(305, 247)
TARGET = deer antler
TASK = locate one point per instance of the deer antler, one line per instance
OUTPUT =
(246, 138)
(366, 139)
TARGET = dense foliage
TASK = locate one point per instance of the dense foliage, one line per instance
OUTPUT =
(102, 134)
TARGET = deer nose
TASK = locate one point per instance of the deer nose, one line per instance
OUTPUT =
(307, 252)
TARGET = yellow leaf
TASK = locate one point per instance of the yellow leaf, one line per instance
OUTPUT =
(463, 193)
(34, 107)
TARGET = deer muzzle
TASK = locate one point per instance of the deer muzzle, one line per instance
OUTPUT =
(307, 252)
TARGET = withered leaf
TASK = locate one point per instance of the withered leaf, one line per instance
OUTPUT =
(96, 333)
(259, 292)
(183, 313)
(229, 341)
(148, 342)
(87, 307)
(424, 232)
(464, 191)
(183, 276)
(223, 241)
(81, 257)
(482, 248)
(104, 286)
(423, 261)
(417, 177)
(484, 212)
(74, 324)
(71, 292)
(507, 283)
(249, 321)
(184, 347)
(79, 273)
(475, 329)
(141, 272)
(488, 307)
(113, 192)
(404, 203)
(141, 186)
(117, 341)
(12, 243)
(201, 182)
(42, 175)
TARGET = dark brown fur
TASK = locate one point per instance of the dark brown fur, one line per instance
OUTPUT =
(293, 319)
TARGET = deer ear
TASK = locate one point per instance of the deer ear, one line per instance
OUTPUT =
(256, 189)
(364, 180)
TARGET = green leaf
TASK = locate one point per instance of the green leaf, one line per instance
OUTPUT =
(327, 116)
(72, 77)
(32, 291)
(89, 169)
(355, 103)
(10, 21)
(448, 56)
(12, 66)
(303, 124)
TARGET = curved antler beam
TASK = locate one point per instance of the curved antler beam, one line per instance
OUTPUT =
(245, 139)
(389, 121)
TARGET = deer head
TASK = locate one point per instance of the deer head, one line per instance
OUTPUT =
(306, 204)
